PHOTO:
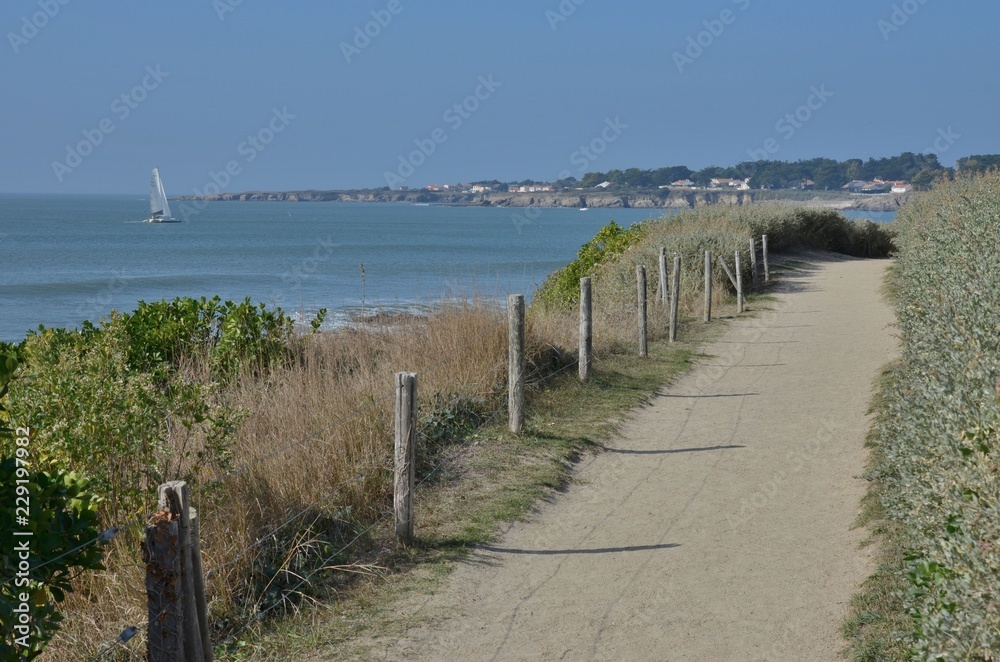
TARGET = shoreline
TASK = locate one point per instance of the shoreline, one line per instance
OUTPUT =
(661, 199)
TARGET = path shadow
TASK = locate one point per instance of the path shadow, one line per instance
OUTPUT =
(622, 451)
(558, 552)
(721, 395)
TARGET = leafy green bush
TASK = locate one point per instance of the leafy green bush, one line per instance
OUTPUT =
(562, 287)
(936, 474)
(55, 513)
(234, 335)
(127, 428)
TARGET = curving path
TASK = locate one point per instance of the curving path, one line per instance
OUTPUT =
(718, 524)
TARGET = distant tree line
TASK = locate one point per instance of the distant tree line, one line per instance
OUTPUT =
(830, 174)
(921, 170)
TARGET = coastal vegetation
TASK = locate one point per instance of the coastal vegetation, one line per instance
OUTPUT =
(285, 436)
(934, 501)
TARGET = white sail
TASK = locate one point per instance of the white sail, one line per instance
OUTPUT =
(158, 206)
(163, 198)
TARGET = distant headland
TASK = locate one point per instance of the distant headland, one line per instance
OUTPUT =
(669, 198)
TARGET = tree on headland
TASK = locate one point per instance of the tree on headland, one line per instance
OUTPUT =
(978, 163)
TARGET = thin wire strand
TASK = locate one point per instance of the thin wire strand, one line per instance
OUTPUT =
(285, 593)
(263, 539)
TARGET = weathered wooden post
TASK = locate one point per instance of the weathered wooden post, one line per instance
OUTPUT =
(708, 286)
(753, 263)
(405, 455)
(640, 278)
(515, 361)
(175, 498)
(732, 279)
(201, 604)
(162, 552)
(663, 292)
(675, 295)
(767, 269)
(586, 330)
(175, 585)
(739, 284)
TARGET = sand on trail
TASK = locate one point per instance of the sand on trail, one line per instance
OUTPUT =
(718, 524)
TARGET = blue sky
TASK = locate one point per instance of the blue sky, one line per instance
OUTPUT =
(266, 88)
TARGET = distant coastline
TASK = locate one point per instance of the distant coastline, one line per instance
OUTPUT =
(639, 199)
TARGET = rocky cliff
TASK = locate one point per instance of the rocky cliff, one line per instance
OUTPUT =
(665, 199)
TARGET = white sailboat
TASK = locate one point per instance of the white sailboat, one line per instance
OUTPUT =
(158, 206)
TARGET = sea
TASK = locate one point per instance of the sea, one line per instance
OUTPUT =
(69, 258)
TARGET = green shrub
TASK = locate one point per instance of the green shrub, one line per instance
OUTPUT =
(562, 287)
(936, 474)
(48, 517)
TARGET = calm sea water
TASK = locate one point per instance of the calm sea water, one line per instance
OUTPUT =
(65, 259)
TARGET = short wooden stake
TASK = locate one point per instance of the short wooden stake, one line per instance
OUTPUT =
(586, 330)
(739, 284)
(708, 286)
(729, 273)
(640, 278)
(515, 361)
(767, 269)
(754, 272)
(405, 455)
(201, 604)
(663, 291)
(675, 295)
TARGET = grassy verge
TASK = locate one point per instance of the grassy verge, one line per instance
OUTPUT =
(934, 499)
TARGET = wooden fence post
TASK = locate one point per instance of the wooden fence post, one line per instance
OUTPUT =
(201, 604)
(162, 554)
(405, 455)
(739, 284)
(675, 295)
(663, 292)
(515, 361)
(175, 497)
(708, 286)
(175, 586)
(753, 263)
(767, 269)
(586, 330)
(640, 278)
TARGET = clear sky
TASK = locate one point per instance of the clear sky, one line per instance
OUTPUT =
(290, 95)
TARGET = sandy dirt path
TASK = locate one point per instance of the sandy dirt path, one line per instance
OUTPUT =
(718, 524)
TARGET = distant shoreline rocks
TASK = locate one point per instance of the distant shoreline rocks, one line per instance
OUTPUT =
(661, 199)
